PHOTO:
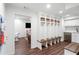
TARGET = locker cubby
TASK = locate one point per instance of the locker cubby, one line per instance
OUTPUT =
(49, 28)
(42, 19)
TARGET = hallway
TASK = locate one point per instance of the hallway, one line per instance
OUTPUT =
(21, 48)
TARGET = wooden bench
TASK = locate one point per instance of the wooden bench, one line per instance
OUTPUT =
(43, 42)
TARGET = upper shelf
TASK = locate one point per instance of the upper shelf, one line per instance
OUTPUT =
(42, 19)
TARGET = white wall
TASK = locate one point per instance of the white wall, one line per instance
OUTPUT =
(20, 27)
(62, 29)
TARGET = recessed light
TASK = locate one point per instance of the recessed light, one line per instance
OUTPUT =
(61, 12)
(48, 6)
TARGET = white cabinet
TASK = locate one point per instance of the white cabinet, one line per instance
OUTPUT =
(75, 37)
(74, 22)
(67, 52)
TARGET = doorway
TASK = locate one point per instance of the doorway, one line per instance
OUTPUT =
(22, 34)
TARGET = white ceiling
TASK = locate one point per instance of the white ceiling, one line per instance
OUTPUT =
(67, 8)
(74, 11)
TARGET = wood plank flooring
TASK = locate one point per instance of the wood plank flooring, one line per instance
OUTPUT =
(21, 48)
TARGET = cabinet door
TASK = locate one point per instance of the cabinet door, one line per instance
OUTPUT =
(75, 37)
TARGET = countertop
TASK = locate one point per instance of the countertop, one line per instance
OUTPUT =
(73, 47)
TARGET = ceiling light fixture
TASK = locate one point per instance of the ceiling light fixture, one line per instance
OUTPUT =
(48, 5)
(60, 12)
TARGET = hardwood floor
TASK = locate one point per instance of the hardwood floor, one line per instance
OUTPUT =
(21, 48)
